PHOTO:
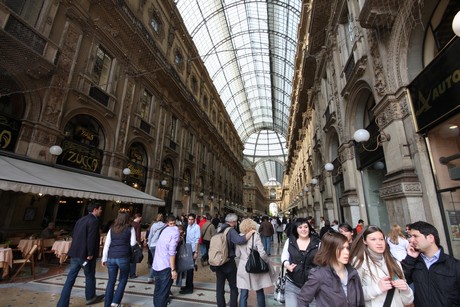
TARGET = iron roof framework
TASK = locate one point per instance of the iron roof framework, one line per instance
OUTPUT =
(248, 48)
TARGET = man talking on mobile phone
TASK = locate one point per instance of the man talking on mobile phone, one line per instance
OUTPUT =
(436, 275)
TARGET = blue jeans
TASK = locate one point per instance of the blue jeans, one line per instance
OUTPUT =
(244, 297)
(132, 269)
(90, 280)
(227, 271)
(113, 265)
(267, 242)
(163, 284)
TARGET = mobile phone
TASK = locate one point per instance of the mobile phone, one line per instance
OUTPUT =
(84, 263)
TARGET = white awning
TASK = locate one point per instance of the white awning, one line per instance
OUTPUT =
(28, 177)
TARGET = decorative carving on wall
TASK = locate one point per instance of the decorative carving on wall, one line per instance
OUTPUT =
(380, 84)
(400, 190)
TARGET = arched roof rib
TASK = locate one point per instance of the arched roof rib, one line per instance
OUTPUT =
(249, 50)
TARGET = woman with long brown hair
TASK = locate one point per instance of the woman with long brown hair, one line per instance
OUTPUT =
(381, 275)
(334, 283)
(116, 257)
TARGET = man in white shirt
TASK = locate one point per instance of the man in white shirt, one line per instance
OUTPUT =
(192, 237)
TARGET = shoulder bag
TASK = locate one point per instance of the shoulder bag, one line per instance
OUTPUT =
(184, 258)
(255, 263)
(280, 286)
(136, 254)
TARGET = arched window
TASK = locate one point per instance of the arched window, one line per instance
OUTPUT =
(83, 145)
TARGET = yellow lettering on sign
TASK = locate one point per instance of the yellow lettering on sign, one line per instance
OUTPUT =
(437, 91)
(5, 138)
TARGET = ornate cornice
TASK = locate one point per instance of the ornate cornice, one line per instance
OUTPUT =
(401, 190)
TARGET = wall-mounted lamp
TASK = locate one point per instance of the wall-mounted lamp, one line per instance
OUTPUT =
(163, 182)
(212, 197)
(456, 24)
(314, 181)
(186, 190)
(362, 135)
(126, 171)
(306, 189)
(379, 165)
(329, 167)
(55, 150)
(201, 194)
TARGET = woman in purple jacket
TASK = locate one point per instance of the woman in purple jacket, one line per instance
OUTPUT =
(334, 283)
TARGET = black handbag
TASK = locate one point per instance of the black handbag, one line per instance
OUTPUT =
(255, 263)
(184, 258)
(136, 254)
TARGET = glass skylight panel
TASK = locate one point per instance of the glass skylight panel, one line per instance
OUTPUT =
(235, 39)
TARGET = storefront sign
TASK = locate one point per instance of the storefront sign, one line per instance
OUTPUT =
(435, 93)
(9, 132)
(80, 156)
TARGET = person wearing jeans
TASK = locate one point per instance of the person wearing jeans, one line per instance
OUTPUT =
(244, 297)
(116, 257)
(164, 262)
(83, 252)
(266, 231)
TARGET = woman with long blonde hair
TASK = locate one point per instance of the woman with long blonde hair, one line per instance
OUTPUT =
(250, 281)
(381, 275)
(397, 242)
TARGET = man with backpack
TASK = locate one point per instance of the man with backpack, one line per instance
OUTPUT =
(222, 258)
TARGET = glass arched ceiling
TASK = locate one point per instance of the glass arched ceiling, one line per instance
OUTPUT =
(248, 47)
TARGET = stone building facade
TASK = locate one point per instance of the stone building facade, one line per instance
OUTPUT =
(357, 62)
(119, 84)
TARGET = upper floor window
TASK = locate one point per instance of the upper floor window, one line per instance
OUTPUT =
(178, 58)
(190, 143)
(156, 24)
(205, 103)
(145, 105)
(102, 67)
(173, 130)
(29, 10)
(194, 85)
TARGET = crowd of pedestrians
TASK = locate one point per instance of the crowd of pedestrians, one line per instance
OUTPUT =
(334, 265)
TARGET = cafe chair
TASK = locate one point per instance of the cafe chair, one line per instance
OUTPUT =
(29, 259)
(47, 245)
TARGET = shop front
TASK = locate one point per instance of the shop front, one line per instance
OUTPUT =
(33, 193)
(435, 102)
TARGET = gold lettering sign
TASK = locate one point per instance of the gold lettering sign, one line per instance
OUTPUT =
(86, 162)
(5, 139)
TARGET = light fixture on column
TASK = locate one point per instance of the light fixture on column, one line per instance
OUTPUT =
(55, 150)
(306, 190)
(456, 24)
(314, 181)
(329, 168)
(201, 194)
(163, 182)
(362, 136)
(126, 171)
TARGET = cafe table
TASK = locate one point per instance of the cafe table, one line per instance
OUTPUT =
(6, 260)
(25, 245)
(61, 249)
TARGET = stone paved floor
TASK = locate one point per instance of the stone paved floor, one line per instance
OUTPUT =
(45, 289)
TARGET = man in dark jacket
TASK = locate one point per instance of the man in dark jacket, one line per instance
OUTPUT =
(228, 270)
(266, 231)
(436, 275)
(84, 252)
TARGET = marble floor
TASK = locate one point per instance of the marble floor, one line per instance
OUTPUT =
(45, 289)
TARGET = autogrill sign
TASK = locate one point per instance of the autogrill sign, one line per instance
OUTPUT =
(435, 93)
